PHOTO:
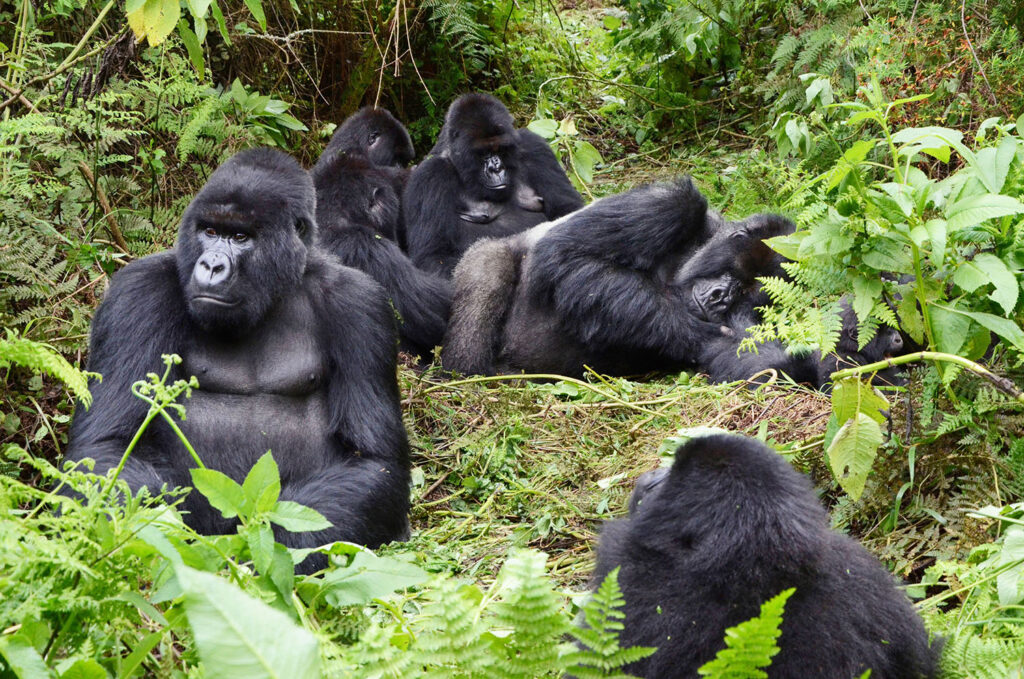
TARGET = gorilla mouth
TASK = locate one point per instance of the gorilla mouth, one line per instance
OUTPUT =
(497, 187)
(700, 305)
(215, 301)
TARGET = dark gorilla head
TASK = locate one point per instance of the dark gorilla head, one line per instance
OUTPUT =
(349, 187)
(377, 134)
(243, 239)
(480, 139)
(886, 343)
(731, 496)
(720, 280)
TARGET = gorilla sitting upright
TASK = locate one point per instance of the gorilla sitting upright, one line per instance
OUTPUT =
(730, 526)
(294, 353)
(359, 219)
(484, 178)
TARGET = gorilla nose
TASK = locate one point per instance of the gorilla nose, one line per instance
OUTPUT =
(647, 482)
(897, 342)
(212, 269)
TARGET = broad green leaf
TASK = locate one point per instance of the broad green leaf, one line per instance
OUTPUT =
(198, 8)
(297, 518)
(974, 210)
(545, 128)
(611, 22)
(154, 20)
(195, 52)
(567, 127)
(218, 17)
(950, 329)
(851, 396)
(85, 669)
(1006, 284)
(221, 490)
(1008, 583)
(910, 318)
(936, 229)
(787, 246)
(1003, 327)
(853, 451)
(239, 636)
(993, 164)
(1020, 125)
(866, 291)
(935, 141)
(969, 276)
(262, 485)
(903, 196)
(256, 7)
(260, 539)
(887, 254)
(22, 658)
(368, 577)
(820, 89)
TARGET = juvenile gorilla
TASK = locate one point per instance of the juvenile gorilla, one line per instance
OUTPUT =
(484, 178)
(730, 526)
(358, 214)
(597, 287)
(294, 353)
(376, 134)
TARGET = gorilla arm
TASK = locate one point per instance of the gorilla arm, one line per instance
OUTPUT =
(607, 269)
(431, 216)
(422, 299)
(368, 487)
(544, 174)
(142, 317)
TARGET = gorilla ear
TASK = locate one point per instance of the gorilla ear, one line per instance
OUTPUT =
(304, 228)
(376, 198)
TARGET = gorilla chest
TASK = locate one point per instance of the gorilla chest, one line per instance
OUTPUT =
(281, 356)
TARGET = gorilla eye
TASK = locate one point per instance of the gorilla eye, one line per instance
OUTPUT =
(300, 228)
(373, 137)
(210, 231)
(240, 237)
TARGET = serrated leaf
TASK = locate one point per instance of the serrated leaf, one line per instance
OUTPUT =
(950, 329)
(22, 658)
(851, 396)
(239, 636)
(368, 577)
(1006, 285)
(853, 451)
(220, 489)
(262, 485)
(297, 518)
(866, 291)
(993, 164)
(85, 669)
(974, 210)
(1003, 327)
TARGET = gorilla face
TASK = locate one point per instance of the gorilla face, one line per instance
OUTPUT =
(243, 240)
(713, 297)
(378, 135)
(480, 139)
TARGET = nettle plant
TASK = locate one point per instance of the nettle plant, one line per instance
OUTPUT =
(935, 253)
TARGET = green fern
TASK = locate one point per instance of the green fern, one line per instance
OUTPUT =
(751, 645)
(603, 615)
(39, 357)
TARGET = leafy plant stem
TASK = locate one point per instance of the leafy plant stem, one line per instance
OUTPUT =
(1001, 383)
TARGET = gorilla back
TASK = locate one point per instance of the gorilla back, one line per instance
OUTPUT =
(730, 526)
(294, 353)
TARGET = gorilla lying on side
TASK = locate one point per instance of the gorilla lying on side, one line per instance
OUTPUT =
(484, 178)
(600, 287)
(294, 354)
(641, 281)
(358, 214)
(730, 526)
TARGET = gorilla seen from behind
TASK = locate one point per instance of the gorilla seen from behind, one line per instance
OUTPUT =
(376, 134)
(358, 215)
(294, 354)
(731, 525)
(484, 178)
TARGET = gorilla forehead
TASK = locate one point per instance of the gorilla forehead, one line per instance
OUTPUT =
(258, 182)
(479, 116)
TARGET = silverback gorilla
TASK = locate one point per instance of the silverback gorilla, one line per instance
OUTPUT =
(357, 212)
(641, 281)
(294, 353)
(484, 178)
(730, 526)
(597, 287)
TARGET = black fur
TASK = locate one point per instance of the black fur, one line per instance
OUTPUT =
(358, 216)
(730, 526)
(483, 179)
(303, 364)
(376, 134)
(595, 288)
